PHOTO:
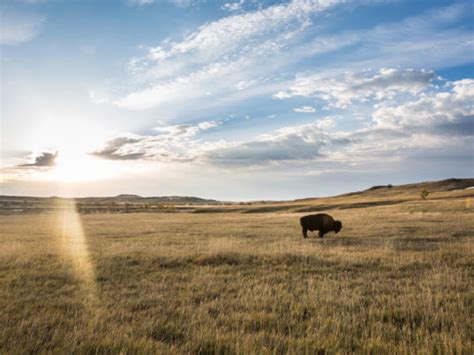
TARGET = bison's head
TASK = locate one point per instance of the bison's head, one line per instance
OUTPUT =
(337, 226)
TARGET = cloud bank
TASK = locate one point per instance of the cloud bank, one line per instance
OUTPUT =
(428, 118)
(350, 87)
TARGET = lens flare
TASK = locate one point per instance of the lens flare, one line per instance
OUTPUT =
(74, 248)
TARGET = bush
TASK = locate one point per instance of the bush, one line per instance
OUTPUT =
(424, 194)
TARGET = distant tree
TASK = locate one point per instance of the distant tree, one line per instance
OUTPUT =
(424, 194)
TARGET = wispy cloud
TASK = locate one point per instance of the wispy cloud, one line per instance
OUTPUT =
(224, 35)
(345, 89)
(233, 6)
(252, 48)
(305, 109)
(229, 47)
(170, 143)
(408, 125)
(19, 27)
(432, 38)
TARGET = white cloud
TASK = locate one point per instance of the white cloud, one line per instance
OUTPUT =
(233, 6)
(17, 28)
(188, 86)
(180, 143)
(233, 47)
(305, 109)
(250, 49)
(207, 125)
(434, 38)
(410, 127)
(297, 143)
(229, 32)
(242, 85)
(351, 87)
(231, 37)
(432, 109)
(170, 143)
(184, 3)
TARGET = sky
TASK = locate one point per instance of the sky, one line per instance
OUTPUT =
(233, 100)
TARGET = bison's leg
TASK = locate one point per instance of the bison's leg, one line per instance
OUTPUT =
(321, 234)
(305, 232)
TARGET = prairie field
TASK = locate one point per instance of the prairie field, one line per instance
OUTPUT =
(398, 278)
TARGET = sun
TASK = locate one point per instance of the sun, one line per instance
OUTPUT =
(76, 166)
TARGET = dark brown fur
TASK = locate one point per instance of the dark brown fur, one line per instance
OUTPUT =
(321, 222)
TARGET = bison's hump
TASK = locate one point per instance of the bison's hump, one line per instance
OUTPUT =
(317, 221)
(317, 217)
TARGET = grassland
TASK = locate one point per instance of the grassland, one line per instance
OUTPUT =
(397, 279)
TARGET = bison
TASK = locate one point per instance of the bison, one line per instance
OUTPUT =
(321, 222)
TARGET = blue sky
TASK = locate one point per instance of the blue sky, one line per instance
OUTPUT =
(234, 100)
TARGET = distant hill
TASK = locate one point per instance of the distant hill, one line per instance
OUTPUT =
(430, 186)
(175, 200)
(387, 190)
(127, 197)
(380, 195)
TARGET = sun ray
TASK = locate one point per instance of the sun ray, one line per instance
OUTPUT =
(74, 248)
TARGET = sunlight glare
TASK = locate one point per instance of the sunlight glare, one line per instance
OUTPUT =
(74, 248)
(78, 166)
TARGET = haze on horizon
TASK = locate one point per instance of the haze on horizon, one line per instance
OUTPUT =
(233, 100)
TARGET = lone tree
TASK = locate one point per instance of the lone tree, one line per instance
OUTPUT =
(424, 194)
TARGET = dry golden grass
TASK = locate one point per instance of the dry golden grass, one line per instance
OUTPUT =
(397, 279)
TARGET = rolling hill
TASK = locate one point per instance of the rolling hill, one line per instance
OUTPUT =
(127, 203)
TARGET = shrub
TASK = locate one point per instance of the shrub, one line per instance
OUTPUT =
(424, 194)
